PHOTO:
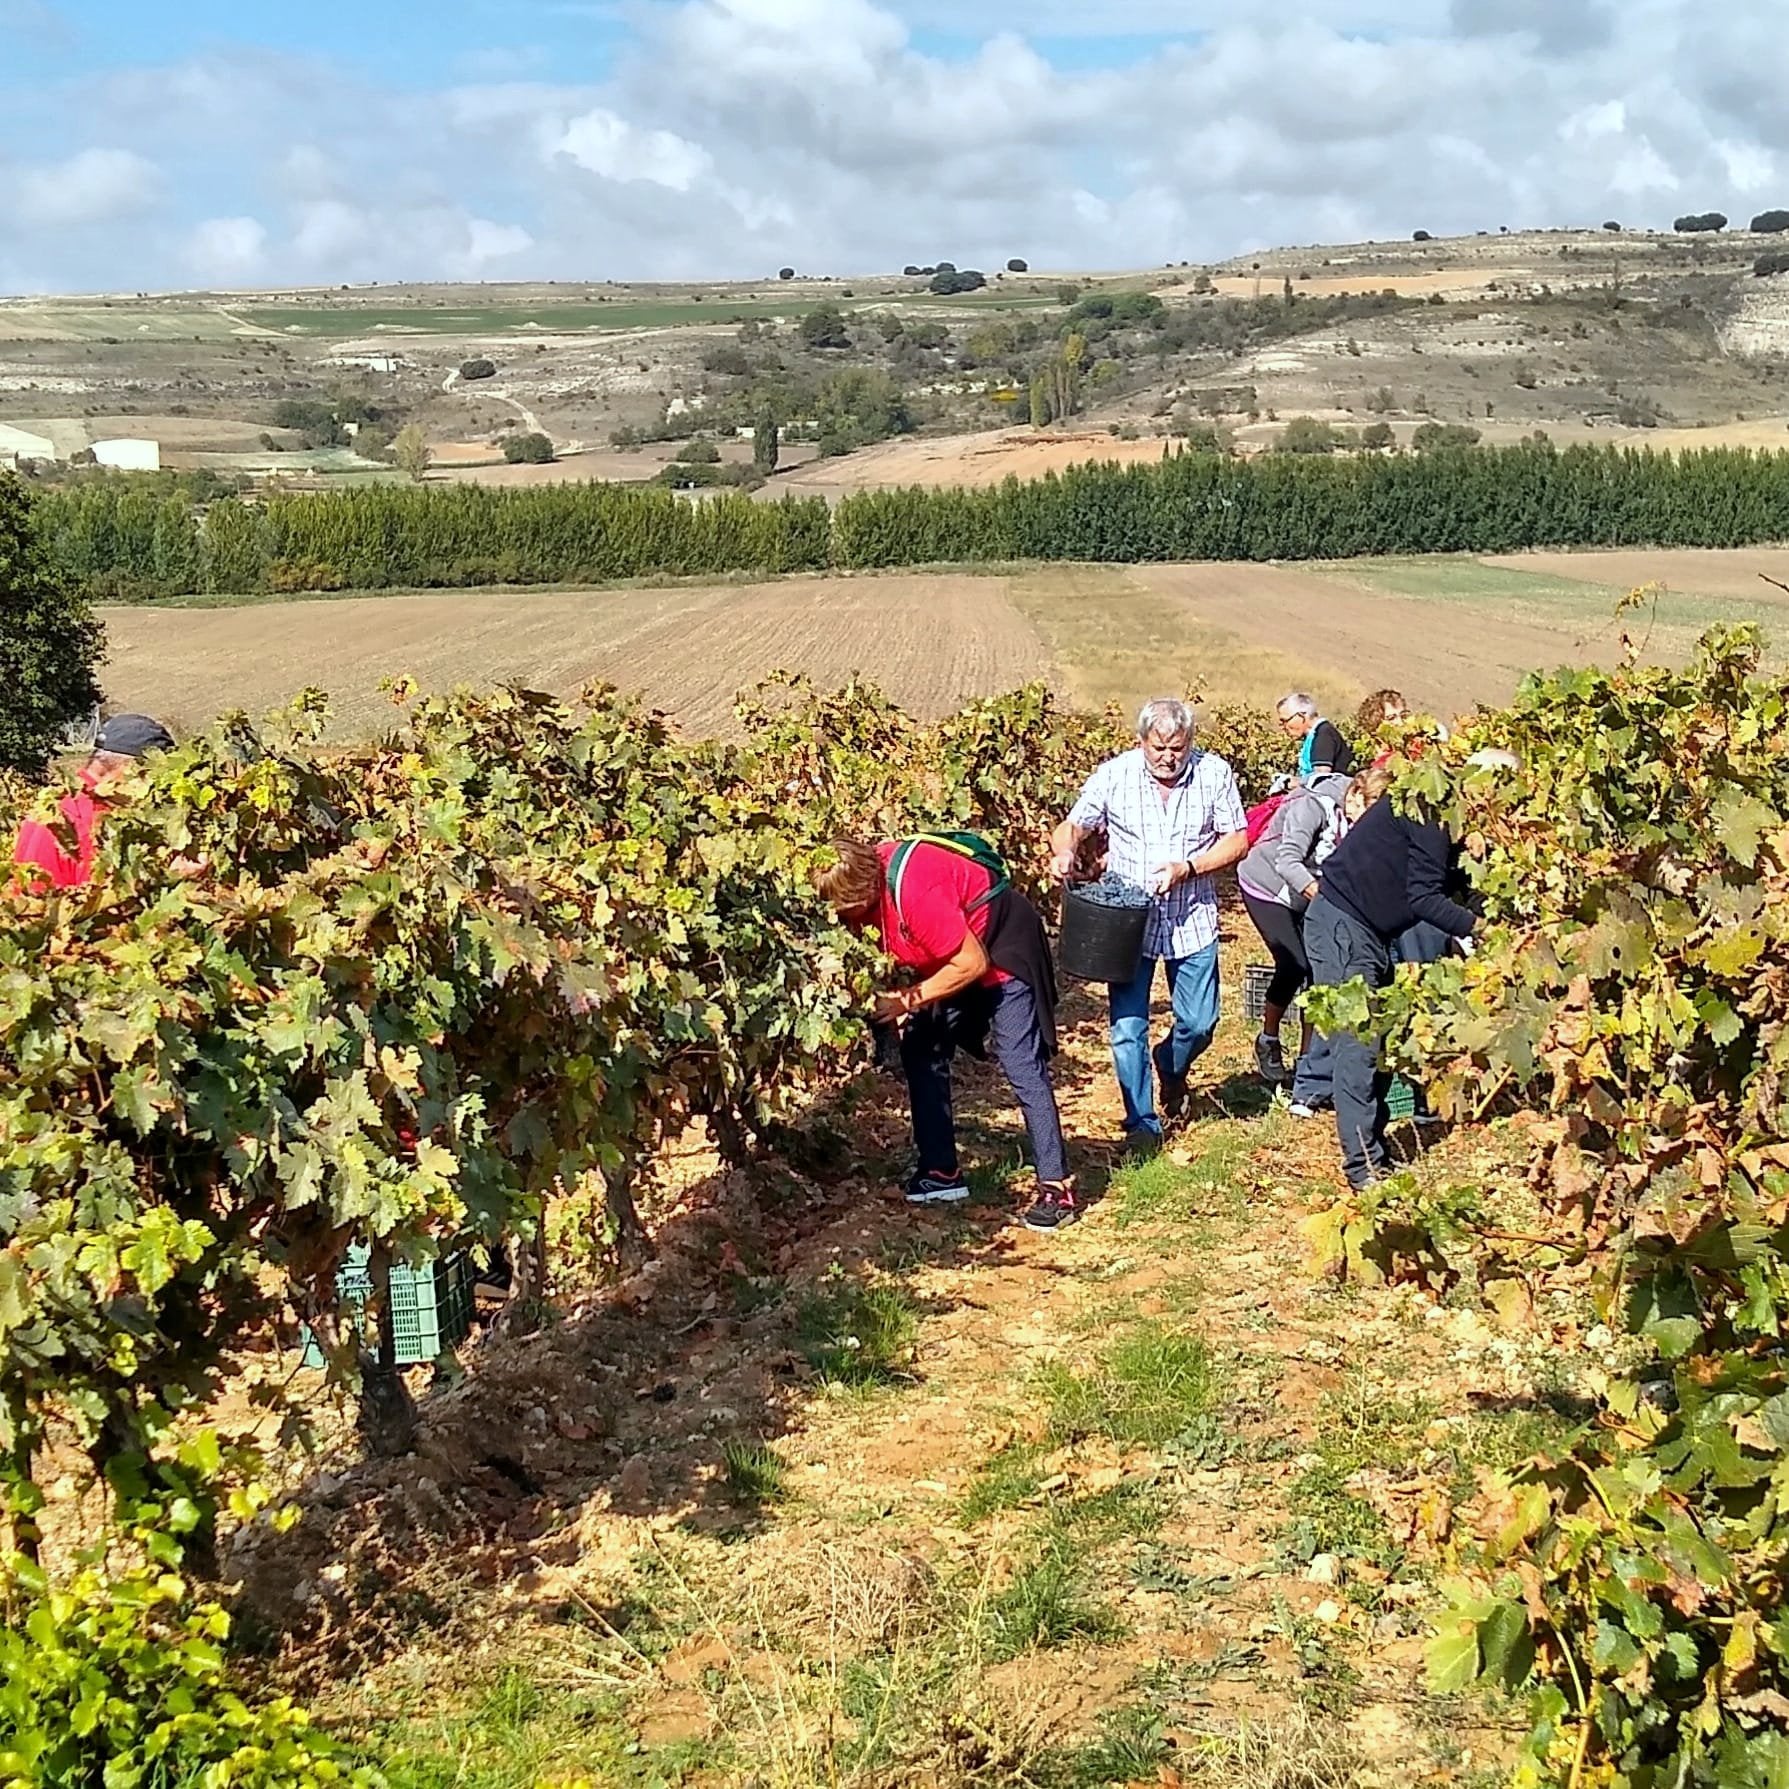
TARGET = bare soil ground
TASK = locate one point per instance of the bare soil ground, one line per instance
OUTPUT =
(966, 460)
(1737, 574)
(930, 642)
(1366, 639)
(668, 1542)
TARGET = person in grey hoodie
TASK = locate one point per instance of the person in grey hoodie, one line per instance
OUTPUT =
(1279, 879)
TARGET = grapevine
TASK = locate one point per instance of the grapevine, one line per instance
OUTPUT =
(1635, 990)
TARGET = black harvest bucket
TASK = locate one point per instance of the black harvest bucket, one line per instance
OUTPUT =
(1100, 943)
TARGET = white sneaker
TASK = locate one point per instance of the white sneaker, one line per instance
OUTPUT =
(1299, 1109)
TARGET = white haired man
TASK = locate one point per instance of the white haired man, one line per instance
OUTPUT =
(1322, 751)
(1172, 819)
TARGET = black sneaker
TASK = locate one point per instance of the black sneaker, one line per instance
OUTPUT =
(1056, 1209)
(937, 1189)
(1270, 1060)
(1173, 1086)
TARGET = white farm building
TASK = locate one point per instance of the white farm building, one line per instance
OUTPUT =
(18, 445)
(128, 456)
(60, 440)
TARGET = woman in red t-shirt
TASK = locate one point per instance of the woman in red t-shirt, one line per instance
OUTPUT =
(984, 981)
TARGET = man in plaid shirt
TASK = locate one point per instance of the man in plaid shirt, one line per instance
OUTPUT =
(1172, 818)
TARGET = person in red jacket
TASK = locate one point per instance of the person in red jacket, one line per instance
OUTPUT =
(986, 985)
(43, 858)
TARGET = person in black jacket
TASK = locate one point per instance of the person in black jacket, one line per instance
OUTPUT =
(1390, 871)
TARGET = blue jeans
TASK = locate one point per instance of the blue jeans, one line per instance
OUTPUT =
(1003, 1020)
(1193, 989)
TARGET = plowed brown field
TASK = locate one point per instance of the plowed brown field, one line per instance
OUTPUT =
(1736, 573)
(930, 642)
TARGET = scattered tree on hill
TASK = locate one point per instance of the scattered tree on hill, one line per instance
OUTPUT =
(1700, 223)
(410, 452)
(1306, 434)
(532, 449)
(1421, 236)
(943, 267)
(824, 327)
(1775, 262)
(1378, 435)
(1612, 227)
(480, 368)
(1017, 266)
(911, 270)
(1432, 437)
(858, 406)
(767, 443)
(699, 453)
(946, 282)
(1771, 223)
(786, 273)
(50, 645)
(729, 359)
(1068, 295)
(1058, 383)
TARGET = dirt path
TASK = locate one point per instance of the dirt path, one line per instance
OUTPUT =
(843, 1493)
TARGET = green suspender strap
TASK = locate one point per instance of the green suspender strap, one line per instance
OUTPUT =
(964, 844)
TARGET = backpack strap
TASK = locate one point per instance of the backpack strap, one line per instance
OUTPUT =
(968, 845)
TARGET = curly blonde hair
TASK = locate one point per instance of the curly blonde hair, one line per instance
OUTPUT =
(1369, 720)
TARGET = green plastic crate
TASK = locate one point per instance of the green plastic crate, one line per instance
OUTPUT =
(431, 1307)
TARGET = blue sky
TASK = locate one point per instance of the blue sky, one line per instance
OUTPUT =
(248, 144)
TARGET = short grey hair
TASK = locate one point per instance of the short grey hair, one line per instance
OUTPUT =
(1165, 714)
(1296, 703)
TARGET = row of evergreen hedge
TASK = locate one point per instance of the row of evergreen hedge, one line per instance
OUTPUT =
(116, 540)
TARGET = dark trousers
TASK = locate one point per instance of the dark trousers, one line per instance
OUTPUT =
(1342, 950)
(1007, 1017)
(1282, 931)
(1423, 943)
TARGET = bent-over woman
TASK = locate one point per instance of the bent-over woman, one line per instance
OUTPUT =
(985, 982)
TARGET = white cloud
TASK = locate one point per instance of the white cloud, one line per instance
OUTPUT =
(91, 187)
(487, 242)
(227, 248)
(732, 136)
(611, 148)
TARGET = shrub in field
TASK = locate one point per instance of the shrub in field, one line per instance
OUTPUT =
(825, 327)
(532, 449)
(1306, 434)
(1433, 437)
(1632, 990)
(1700, 223)
(50, 645)
(479, 368)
